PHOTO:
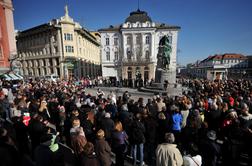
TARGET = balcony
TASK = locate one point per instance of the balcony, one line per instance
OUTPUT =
(136, 62)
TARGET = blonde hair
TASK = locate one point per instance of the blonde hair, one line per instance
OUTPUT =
(100, 134)
(118, 126)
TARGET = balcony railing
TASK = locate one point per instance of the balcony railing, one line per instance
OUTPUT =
(138, 60)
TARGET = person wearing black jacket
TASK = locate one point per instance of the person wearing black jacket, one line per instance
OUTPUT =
(137, 138)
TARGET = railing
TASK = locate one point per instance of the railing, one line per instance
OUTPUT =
(138, 60)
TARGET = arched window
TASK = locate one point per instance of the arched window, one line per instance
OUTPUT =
(146, 73)
(147, 24)
(108, 55)
(128, 40)
(129, 73)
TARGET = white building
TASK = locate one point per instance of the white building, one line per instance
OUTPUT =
(131, 48)
(224, 66)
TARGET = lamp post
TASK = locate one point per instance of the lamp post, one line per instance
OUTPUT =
(226, 74)
(243, 74)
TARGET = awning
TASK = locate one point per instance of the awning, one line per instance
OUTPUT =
(6, 77)
(19, 76)
(13, 76)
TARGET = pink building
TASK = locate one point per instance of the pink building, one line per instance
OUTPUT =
(7, 35)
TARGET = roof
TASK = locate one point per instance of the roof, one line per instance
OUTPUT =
(142, 17)
(234, 56)
(88, 36)
(224, 57)
(111, 28)
(34, 30)
(228, 56)
(138, 16)
(166, 26)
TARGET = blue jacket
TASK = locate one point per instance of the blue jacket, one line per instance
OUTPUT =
(176, 121)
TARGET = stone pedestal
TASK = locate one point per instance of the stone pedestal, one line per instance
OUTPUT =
(168, 75)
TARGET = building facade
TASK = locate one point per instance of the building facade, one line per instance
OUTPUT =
(220, 67)
(61, 47)
(7, 35)
(130, 50)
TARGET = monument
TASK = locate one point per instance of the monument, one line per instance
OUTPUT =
(165, 77)
(163, 72)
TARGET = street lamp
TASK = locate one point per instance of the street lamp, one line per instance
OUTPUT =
(243, 74)
(226, 74)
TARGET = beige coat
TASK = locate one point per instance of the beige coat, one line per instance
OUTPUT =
(168, 155)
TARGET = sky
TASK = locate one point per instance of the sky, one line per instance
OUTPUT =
(208, 27)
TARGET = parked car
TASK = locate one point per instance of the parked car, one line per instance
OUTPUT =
(52, 77)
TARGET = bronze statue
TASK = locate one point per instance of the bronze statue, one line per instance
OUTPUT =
(164, 52)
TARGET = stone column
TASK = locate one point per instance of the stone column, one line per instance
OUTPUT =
(133, 48)
(124, 48)
(152, 47)
(55, 66)
(142, 45)
(47, 67)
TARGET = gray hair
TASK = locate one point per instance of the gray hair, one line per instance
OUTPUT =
(169, 138)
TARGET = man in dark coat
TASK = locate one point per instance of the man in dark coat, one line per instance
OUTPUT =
(137, 138)
(107, 125)
(8, 152)
(52, 153)
(210, 150)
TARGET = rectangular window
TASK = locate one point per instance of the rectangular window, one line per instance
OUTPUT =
(107, 41)
(115, 41)
(116, 55)
(108, 55)
(68, 36)
(69, 48)
(147, 40)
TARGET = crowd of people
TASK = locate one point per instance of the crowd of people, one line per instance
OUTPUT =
(46, 123)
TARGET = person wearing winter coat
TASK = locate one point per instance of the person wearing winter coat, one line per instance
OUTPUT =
(119, 137)
(89, 157)
(137, 139)
(103, 149)
(167, 153)
(107, 125)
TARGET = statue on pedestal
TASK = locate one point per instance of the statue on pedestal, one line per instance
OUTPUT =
(163, 60)
(164, 52)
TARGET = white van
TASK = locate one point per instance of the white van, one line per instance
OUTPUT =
(52, 77)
